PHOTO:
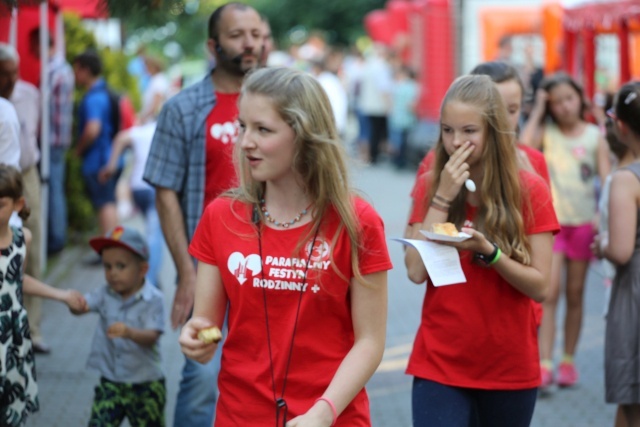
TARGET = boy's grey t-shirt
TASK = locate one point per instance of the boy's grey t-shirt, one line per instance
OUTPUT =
(120, 359)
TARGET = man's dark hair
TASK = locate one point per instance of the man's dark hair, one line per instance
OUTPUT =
(214, 19)
(499, 71)
(90, 60)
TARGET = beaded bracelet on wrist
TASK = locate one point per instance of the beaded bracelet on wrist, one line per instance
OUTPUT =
(437, 206)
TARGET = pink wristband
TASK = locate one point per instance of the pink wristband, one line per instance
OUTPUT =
(332, 406)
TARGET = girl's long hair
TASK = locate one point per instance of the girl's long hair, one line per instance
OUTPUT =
(12, 186)
(319, 158)
(499, 215)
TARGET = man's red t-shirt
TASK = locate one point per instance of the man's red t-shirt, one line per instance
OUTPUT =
(221, 132)
(227, 239)
(482, 333)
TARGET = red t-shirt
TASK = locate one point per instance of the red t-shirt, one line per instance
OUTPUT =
(539, 165)
(483, 333)
(536, 158)
(538, 162)
(226, 238)
(221, 132)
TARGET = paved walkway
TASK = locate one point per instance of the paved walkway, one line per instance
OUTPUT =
(66, 387)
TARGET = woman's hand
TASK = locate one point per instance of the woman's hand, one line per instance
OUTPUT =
(542, 96)
(599, 242)
(191, 346)
(476, 243)
(455, 172)
(319, 415)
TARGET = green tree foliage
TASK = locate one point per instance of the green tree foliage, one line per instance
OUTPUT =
(78, 39)
(80, 212)
(340, 20)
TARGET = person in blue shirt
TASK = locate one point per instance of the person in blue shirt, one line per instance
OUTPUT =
(402, 118)
(95, 136)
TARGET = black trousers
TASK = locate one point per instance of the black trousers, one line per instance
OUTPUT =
(378, 134)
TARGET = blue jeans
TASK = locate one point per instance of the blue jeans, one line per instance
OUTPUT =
(145, 200)
(57, 220)
(439, 405)
(196, 401)
(364, 132)
(398, 138)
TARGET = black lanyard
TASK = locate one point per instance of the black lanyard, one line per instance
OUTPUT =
(281, 403)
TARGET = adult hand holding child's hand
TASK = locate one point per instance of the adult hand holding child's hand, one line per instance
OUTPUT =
(191, 345)
(76, 302)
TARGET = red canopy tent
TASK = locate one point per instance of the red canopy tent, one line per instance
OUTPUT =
(28, 18)
(428, 25)
(15, 26)
(90, 9)
(5, 21)
(584, 23)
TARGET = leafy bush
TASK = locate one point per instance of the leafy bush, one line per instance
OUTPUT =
(78, 39)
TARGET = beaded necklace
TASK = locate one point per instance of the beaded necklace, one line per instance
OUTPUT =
(282, 408)
(286, 224)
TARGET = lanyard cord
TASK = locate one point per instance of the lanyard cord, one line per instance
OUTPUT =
(281, 404)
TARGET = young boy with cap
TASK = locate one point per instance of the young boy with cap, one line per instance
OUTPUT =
(125, 347)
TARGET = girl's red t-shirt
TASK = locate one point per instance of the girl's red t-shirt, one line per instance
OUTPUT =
(536, 158)
(227, 239)
(539, 165)
(482, 333)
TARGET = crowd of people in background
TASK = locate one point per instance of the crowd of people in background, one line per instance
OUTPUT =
(245, 162)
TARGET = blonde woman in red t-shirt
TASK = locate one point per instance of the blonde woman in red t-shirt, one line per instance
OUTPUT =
(475, 357)
(298, 264)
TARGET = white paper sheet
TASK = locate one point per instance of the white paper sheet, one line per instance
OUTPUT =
(442, 262)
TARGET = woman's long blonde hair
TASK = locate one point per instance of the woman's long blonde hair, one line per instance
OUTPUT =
(319, 158)
(500, 215)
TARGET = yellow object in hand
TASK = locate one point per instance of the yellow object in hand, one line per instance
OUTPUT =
(210, 335)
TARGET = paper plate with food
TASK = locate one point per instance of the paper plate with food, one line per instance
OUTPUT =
(445, 232)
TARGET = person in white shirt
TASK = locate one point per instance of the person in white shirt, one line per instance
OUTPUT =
(156, 92)
(10, 144)
(336, 93)
(25, 98)
(9, 134)
(139, 138)
(375, 89)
